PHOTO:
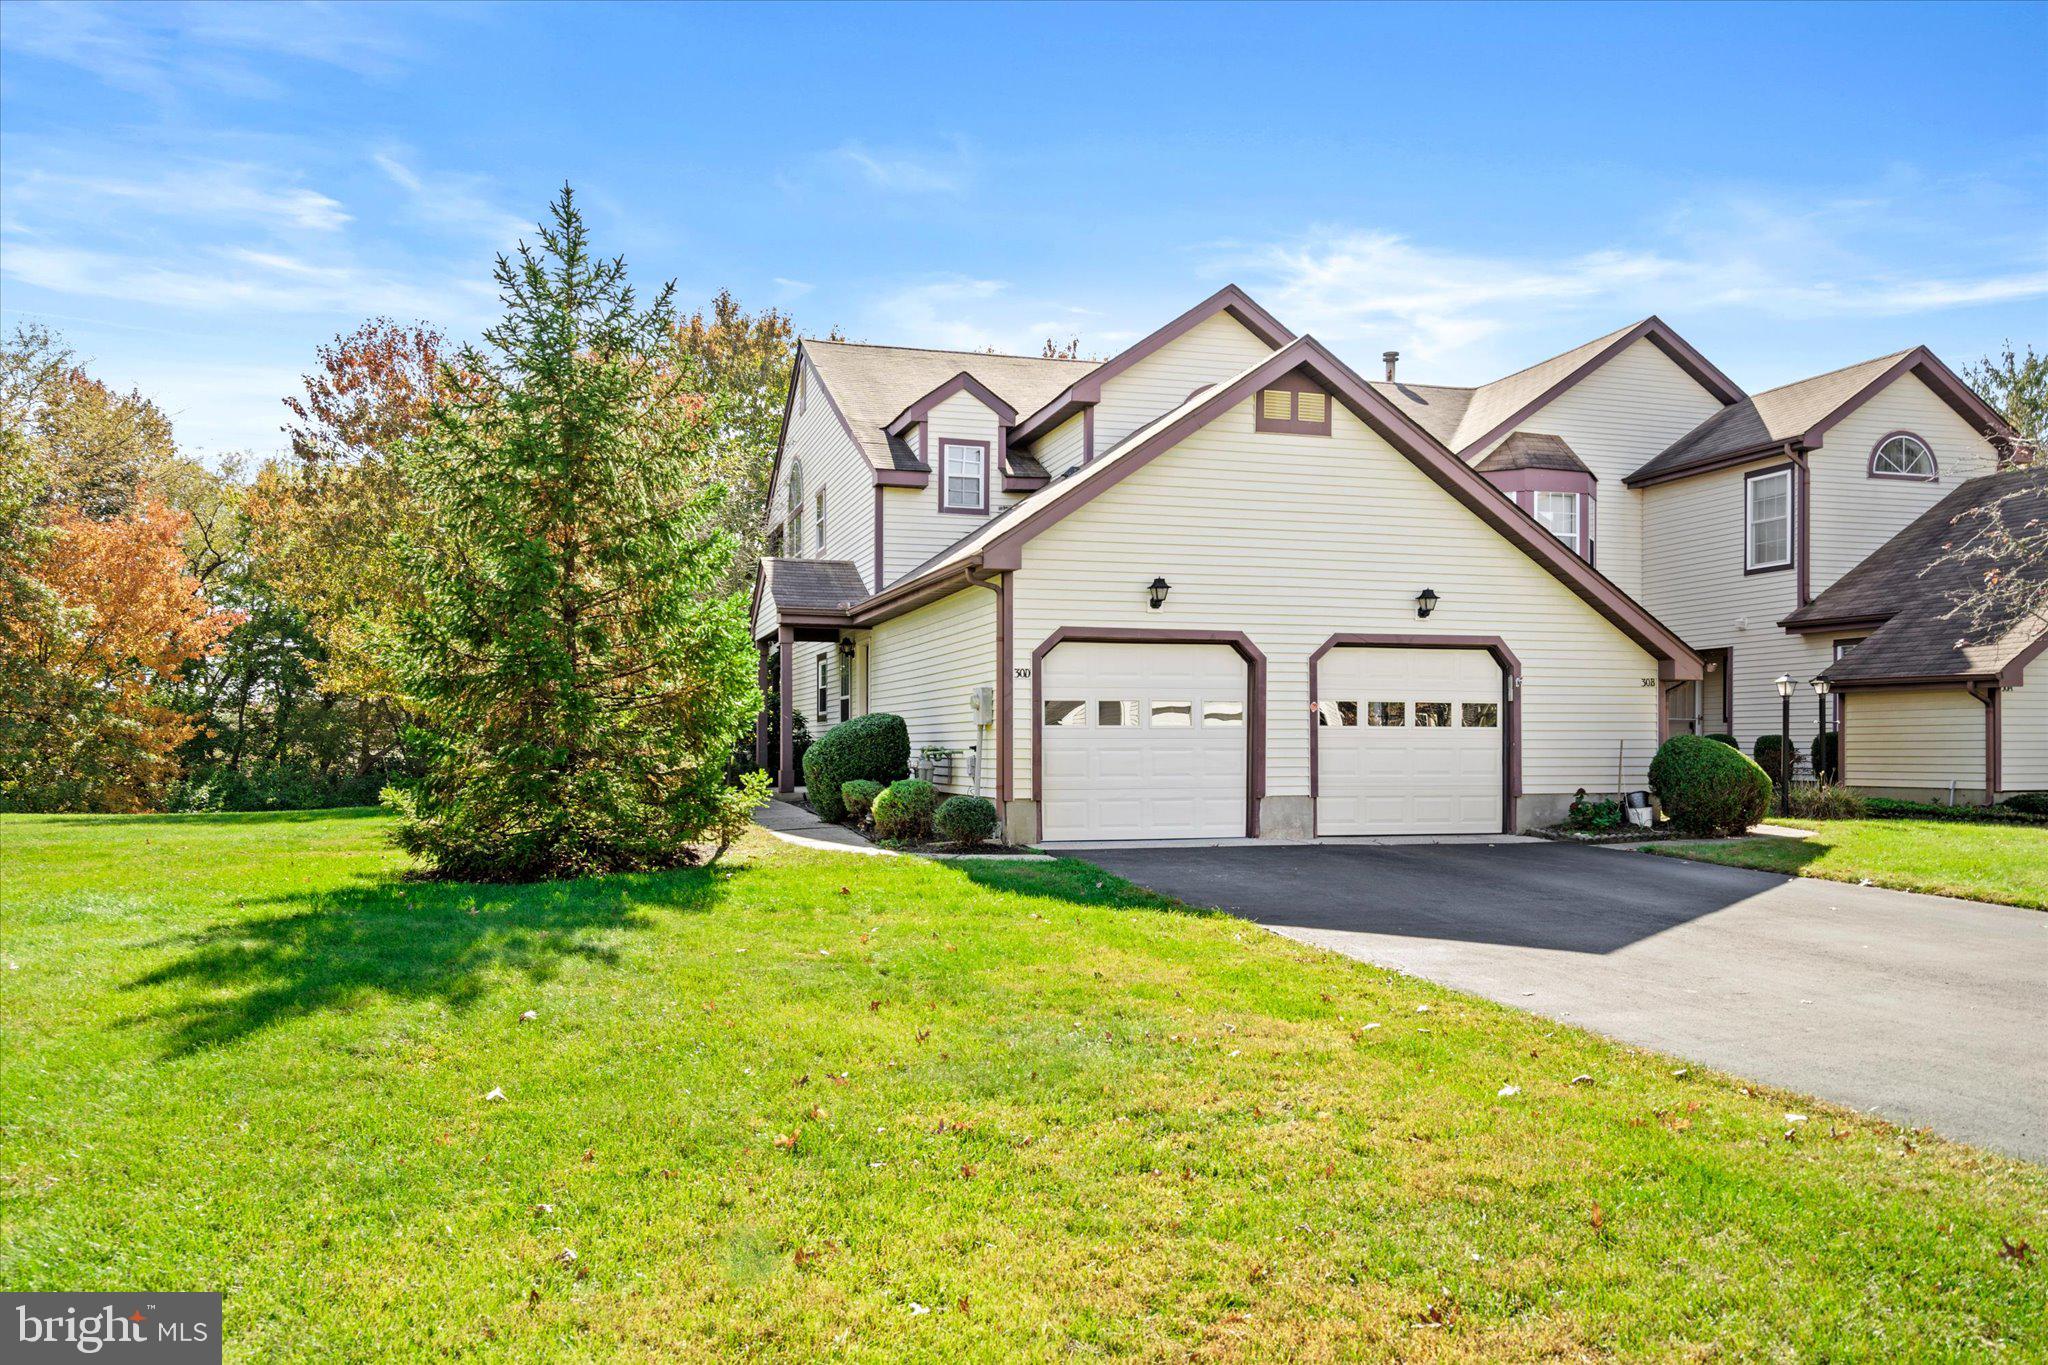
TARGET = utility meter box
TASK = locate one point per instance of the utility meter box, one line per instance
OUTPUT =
(982, 701)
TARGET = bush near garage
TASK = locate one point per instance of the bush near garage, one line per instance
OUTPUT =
(1827, 756)
(1708, 789)
(966, 819)
(1769, 750)
(874, 747)
(858, 796)
(904, 810)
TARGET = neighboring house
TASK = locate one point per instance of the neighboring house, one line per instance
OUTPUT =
(1221, 585)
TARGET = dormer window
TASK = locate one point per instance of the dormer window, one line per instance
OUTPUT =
(1293, 405)
(963, 477)
(1902, 455)
(1559, 513)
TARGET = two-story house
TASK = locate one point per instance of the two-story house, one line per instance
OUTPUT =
(1221, 585)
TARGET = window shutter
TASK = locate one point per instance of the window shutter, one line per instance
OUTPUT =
(1277, 404)
(1310, 407)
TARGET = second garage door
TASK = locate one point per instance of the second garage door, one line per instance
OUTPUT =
(1143, 741)
(1408, 741)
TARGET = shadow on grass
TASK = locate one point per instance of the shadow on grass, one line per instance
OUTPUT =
(1759, 852)
(1069, 880)
(326, 814)
(402, 940)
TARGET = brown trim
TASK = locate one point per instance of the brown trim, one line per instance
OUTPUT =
(1510, 710)
(1994, 743)
(1087, 390)
(1841, 737)
(762, 679)
(962, 382)
(1747, 455)
(1924, 365)
(1652, 329)
(1819, 626)
(1802, 521)
(879, 563)
(1870, 466)
(1293, 385)
(902, 478)
(987, 473)
(1006, 689)
(1024, 483)
(1791, 519)
(1088, 434)
(1914, 680)
(1515, 482)
(1255, 701)
(785, 709)
(2014, 670)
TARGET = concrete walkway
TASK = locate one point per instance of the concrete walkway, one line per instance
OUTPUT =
(1924, 1009)
(797, 825)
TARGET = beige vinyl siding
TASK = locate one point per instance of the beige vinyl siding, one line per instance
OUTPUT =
(1063, 447)
(1212, 350)
(924, 666)
(1615, 419)
(1292, 538)
(1854, 514)
(913, 528)
(1694, 583)
(1914, 737)
(2023, 717)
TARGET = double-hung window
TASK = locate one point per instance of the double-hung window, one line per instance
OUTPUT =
(1559, 513)
(964, 476)
(1767, 520)
(845, 687)
(823, 690)
(819, 520)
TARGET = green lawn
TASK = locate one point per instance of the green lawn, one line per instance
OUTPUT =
(1036, 1114)
(1986, 862)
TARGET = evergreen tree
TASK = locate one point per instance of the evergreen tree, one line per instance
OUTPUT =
(578, 680)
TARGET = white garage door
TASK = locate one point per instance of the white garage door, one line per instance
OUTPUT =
(1408, 742)
(1143, 741)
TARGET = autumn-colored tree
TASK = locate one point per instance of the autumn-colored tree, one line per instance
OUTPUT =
(82, 722)
(99, 446)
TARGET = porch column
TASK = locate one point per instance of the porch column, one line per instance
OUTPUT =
(761, 717)
(785, 710)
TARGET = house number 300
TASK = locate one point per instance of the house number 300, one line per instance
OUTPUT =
(1021, 672)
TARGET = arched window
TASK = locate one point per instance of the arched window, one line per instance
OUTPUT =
(1902, 455)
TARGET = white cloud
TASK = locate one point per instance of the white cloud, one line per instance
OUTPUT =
(458, 202)
(793, 289)
(900, 170)
(217, 192)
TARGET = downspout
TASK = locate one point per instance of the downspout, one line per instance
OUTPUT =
(1802, 517)
(1994, 739)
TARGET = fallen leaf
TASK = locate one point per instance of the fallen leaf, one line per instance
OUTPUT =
(874, 1007)
(2015, 1251)
(817, 1115)
(543, 1208)
(589, 1154)
(529, 1016)
(1597, 1218)
(961, 1306)
(565, 1257)
(967, 1172)
(1582, 1079)
(496, 1093)
(788, 1144)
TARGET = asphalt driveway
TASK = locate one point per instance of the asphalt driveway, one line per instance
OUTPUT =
(1923, 1009)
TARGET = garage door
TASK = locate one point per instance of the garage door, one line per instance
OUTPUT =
(1143, 741)
(1408, 741)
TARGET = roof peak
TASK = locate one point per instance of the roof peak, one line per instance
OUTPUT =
(1839, 369)
(947, 350)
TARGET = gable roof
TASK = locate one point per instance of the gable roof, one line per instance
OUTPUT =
(1088, 388)
(1533, 450)
(1492, 410)
(1802, 412)
(811, 585)
(868, 387)
(998, 544)
(1436, 408)
(1908, 585)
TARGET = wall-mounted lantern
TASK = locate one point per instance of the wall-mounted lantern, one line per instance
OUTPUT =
(846, 646)
(1425, 602)
(1156, 594)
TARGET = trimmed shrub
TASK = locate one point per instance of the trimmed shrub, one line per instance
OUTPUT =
(2027, 803)
(1707, 788)
(965, 819)
(1885, 808)
(904, 810)
(873, 747)
(1824, 801)
(1826, 755)
(1767, 751)
(1728, 740)
(858, 796)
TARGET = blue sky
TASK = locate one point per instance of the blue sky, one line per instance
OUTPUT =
(196, 196)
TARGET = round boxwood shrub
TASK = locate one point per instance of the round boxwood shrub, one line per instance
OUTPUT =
(1826, 755)
(858, 796)
(1768, 750)
(1708, 788)
(904, 810)
(874, 748)
(1728, 740)
(965, 819)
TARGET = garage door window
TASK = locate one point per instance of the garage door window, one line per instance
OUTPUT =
(1481, 715)
(1222, 713)
(1386, 713)
(1337, 713)
(1178, 715)
(1112, 715)
(1433, 714)
(1068, 713)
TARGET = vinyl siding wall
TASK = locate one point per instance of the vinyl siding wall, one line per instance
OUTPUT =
(1914, 738)
(1854, 514)
(830, 461)
(924, 666)
(913, 528)
(1617, 418)
(1212, 350)
(1694, 583)
(2023, 716)
(1061, 448)
(1292, 538)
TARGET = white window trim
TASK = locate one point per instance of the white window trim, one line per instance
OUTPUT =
(824, 691)
(819, 519)
(1750, 486)
(1577, 539)
(1933, 474)
(977, 456)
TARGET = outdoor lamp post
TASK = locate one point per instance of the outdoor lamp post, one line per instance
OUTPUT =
(1820, 714)
(1785, 686)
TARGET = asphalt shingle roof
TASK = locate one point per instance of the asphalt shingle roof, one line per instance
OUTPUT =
(812, 584)
(1533, 450)
(1765, 419)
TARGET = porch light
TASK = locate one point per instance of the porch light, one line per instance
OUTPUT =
(846, 646)
(1425, 602)
(1820, 687)
(1157, 592)
(1785, 684)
